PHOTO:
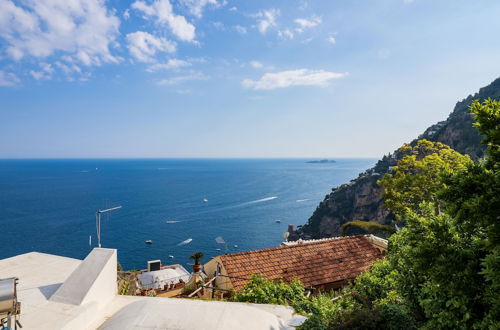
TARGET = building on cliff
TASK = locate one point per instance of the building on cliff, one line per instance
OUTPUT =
(319, 264)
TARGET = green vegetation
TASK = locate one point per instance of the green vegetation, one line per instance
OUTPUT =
(341, 205)
(418, 175)
(344, 309)
(442, 270)
(370, 227)
(262, 291)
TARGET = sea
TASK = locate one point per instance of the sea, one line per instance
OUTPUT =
(182, 205)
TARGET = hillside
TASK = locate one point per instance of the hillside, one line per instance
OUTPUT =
(361, 199)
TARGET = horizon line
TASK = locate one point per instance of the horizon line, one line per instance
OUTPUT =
(178, 158)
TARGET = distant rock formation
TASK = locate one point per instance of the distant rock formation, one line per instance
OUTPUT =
(361, 198)
(322, 161)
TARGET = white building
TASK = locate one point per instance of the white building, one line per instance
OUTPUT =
(167, 275)
(64, 293)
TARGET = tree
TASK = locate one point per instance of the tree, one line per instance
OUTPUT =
(473, 199)
(444, 265)
(196, 257)
(418, 175)
(438, 270)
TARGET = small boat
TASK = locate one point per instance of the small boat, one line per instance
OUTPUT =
(205, 200)
(277, 221)
(236, 246)
(187, 241)
(171, 256)
(149, 241)
(217, 249)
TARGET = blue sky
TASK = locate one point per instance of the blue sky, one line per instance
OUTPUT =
(215, 78)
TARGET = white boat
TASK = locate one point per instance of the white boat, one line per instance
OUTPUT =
(277, 221)
(217, 249)
(149, 241)
(236, 246)
(171, 256)
(205, 200)
(187, 241)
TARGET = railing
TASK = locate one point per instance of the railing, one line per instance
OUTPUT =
(206, 285)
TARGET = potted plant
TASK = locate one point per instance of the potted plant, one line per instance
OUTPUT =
(196, 257)
(180, 284)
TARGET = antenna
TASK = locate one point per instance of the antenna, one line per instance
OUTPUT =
(98, 222)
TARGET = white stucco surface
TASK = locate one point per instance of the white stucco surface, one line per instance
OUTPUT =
(94, 280)
(40, 275)
(172, 313)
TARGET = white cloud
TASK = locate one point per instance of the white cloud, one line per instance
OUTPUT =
(8, 79)
(256, 65)
(143, 46)
(45, 73)
(39, 75)
(219, 26)
(196, 6)
(332, 40)
(126, 14)
(233, 8)
(300, 77)
(162, 11)
(408, 1)
(266, 19)
(68, 69)
(285, 34)
(240, 29)
(171, 64)
(259, 65)
(181, 79)
(307, 23)
(83, 29)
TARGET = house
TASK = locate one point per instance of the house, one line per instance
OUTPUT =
(319, 264)
(64, 293)
(167, 281)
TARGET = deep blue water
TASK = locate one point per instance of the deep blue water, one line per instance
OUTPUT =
(49, 205)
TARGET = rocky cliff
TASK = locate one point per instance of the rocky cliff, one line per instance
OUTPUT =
(361, 199)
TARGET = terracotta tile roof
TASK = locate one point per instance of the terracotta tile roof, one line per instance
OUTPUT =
(314, 263)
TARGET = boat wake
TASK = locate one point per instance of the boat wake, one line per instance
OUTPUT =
(262, 200)
(302, 200)
(171, 221)
(189, 240)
